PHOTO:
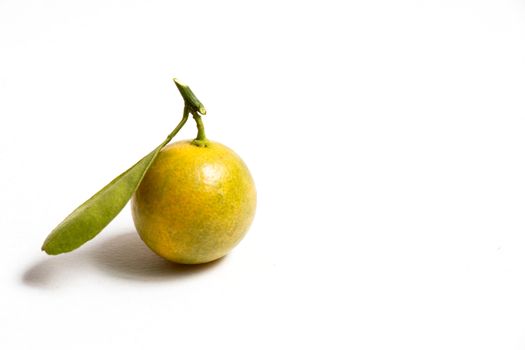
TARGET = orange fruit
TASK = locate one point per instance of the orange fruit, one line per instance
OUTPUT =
(195, 202)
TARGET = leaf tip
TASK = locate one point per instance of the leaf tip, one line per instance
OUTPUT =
(51, 246)
(45, 248)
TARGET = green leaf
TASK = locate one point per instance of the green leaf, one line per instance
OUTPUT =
(86, 221)
(92, 216)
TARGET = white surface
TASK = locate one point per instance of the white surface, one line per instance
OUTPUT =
(386, 138)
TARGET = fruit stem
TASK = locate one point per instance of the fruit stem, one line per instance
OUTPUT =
(196, 108)
(200, 140)
(189, 97)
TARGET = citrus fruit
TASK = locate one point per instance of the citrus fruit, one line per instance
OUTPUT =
(195, 203)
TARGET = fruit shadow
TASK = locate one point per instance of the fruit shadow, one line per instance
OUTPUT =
(122, 256)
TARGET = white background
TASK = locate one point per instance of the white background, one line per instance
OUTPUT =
(386, 139)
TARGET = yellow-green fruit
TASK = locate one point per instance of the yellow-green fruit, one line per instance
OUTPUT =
(194, 203)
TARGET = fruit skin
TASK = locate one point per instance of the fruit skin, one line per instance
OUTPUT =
(195, 203)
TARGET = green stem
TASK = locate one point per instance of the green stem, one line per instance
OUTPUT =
(189, 97)
(183, 121)
(201, 135)
(195, 107)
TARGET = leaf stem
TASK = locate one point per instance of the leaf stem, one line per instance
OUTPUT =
(183, 121)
